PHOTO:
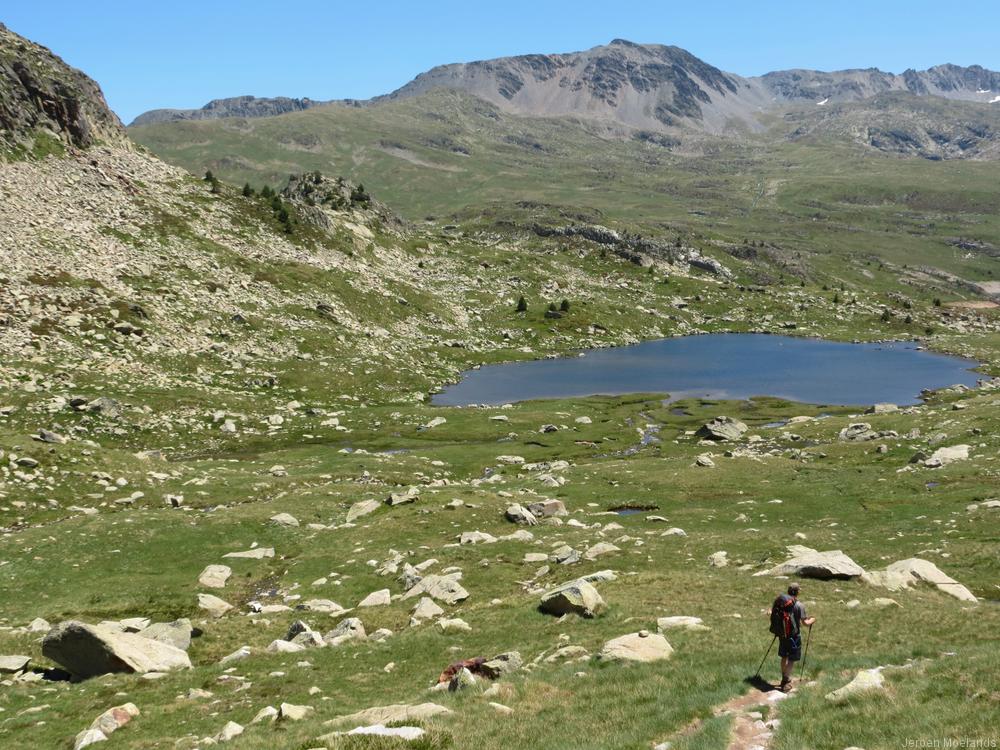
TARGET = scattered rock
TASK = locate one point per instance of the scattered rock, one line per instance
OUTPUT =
(905, 573)
(866, 681)
(377, 599)
(215, 576)
(90, 650)
(722, 429)
(577, 597)
(215, 606)
(808, 563)
(642, 647)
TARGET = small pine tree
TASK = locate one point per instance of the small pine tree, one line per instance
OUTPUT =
(564, 305)
(247, 190)
(215, 186)
(909, 319)
(886, 315)
(209, 177)
(552, 307)
(937, 302)
(836, 298)
(522, 304)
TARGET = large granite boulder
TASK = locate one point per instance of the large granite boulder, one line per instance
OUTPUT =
(90, 650)
(577, 597)
(722, 429)
(905, 573)
(642, 646)
(809, 563)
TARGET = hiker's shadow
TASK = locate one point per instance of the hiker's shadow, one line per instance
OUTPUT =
(760, 683)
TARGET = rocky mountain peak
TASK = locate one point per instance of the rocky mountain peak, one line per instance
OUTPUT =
(44, 102)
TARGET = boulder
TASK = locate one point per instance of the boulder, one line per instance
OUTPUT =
(392, 714)
(362, 508)
(215, 606)
(476, 537)
(348, 629)
(680, 622)
(719, 559)
(378, 598)
(601, 548)
(905, 573)
(516, 513)
(257, 553)
(285, 519)
(88, 737)
(444, 588)
(947, 455)
(90, 650)
(547, 508)
(176, 633)
(882, 409)
(115, 718)
(454, 625)
(866, 681)
(230, 731)
(292, 712)
(215, 576)
(722, 429)
(577, 597)
(808, 563)
(502, 664)
(642, 647)
(14, 664)
(858, 432)
(426, 609)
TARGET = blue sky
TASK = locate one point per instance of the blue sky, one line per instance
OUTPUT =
(184, 52)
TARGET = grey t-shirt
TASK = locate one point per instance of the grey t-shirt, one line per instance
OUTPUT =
(798, 615)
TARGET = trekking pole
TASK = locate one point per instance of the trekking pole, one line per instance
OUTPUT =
(805, 655)
(766, 654)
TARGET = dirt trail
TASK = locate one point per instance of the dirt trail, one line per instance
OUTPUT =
(750, 729)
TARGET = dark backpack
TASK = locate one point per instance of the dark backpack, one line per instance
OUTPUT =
(783, 622)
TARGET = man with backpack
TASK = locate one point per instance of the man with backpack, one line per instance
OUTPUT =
(788, 615)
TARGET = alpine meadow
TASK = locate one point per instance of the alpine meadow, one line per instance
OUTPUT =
(495, 411)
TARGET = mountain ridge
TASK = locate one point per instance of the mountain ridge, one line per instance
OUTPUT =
(646, 86)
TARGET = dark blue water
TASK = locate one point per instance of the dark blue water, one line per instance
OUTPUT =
(724, 366)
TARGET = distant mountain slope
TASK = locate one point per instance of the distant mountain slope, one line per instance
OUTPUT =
(653, 86)
(643, 86)
(236, 106)
(44, 103)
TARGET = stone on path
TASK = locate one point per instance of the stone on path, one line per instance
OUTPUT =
(90, 650)
(215, 576)
(642, 647)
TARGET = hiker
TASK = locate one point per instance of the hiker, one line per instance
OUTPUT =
(788, 615)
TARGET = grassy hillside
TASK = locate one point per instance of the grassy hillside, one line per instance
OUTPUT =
(442, 153)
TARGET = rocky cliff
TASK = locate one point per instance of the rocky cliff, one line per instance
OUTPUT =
(46, 104)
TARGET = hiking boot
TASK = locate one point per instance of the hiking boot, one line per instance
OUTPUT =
(785, 686)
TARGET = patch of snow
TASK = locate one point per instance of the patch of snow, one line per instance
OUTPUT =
(820, 104)
(983, 91)
(995, 99)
